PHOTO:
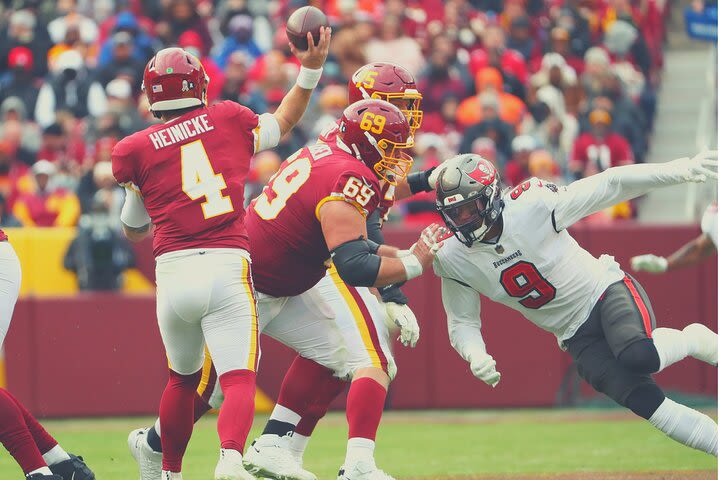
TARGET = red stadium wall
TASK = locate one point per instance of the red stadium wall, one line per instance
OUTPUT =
(100, 354)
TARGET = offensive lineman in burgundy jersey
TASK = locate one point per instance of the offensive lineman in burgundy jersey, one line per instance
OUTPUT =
(316, 385)
(288, 243)
(187, 177)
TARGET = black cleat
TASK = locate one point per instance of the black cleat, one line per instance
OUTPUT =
(73, 469)
(41, 476)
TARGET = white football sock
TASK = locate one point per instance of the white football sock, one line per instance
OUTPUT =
(284, 414)
(42, 470)
(55, 455)
(171, 475)
(360, 449)
(157, 426)
(687, 426)
(298, 444)
(671, 345)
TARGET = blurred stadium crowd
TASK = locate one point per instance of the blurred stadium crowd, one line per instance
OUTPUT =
(556, 88)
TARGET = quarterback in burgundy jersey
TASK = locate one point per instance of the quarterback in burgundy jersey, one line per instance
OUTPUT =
(186, 177)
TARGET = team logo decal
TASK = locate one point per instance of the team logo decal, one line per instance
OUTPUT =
(454, 199)
(484, 173)
(187, 86)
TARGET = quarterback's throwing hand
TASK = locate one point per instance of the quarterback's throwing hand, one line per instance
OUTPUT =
(314, 57)
(649, 263)
(483, 367)
(401, 315)
(698, 169)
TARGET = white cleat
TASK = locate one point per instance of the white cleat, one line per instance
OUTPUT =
(362, 471)
(270, 457)
(149, 462)
(703, 343)
(171, 475)
(230, 466)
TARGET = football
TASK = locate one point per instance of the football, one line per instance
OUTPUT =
(304, 20)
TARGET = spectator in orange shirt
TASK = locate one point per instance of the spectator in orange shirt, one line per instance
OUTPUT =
(512, 109)
(47, 206)
(542, 166)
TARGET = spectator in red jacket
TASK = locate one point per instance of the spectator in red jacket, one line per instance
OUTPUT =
(495, 53)
(600, 148)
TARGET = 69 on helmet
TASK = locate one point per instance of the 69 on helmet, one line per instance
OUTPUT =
(468, 197)
(174, 79)
(389, 82)
(376, 132)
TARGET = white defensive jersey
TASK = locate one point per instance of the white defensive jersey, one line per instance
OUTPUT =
(709, 223)
(536, 267)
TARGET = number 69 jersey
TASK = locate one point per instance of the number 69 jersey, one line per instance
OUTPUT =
(534, 269)
(191, 173)
(288, 247)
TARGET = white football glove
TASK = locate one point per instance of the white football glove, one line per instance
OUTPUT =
(483, 367)
(404, 318)
(649, 263)
(431, 236)
(698, 169)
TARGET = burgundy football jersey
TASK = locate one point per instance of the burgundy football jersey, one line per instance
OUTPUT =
(191, 173)
(288, 248)
(387, 197)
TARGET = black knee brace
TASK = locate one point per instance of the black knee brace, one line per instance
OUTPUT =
(644, 400)
(640, 357)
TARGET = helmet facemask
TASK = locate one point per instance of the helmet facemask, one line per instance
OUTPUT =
(394, 164)
(409, 104)
(470, 219)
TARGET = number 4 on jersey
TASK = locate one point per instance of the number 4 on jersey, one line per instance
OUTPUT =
(200, 180)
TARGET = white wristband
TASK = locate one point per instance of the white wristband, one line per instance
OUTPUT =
(308, 78)
(412, 265)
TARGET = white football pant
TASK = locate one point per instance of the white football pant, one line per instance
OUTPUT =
(206, 296)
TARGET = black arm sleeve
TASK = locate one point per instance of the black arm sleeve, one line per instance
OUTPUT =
(389, 293)
(355, 264)
(418, 181)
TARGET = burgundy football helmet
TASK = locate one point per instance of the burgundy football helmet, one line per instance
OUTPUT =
(469, 194)
(389, 82)
(376, 132)
(174, 79)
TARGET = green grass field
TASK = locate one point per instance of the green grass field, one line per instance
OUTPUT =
(477, 444)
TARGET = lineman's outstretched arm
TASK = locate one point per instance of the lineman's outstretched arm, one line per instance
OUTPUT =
(358, 261)
(618, 184)
(688, 255)
(462, 306)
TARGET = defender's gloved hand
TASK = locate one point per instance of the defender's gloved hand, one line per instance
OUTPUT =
(483, 367)
(404, 318)
(649, 263)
